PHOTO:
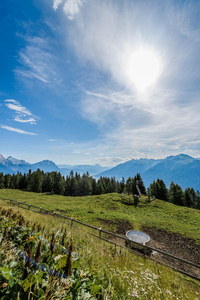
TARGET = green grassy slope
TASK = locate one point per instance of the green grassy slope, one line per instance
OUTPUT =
(96, 210)
(121, 274)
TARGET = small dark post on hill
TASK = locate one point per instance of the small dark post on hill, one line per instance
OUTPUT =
(136, 197)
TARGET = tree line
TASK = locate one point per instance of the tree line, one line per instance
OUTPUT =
(175, 194)
(82, 185)
(71, 185)
(56, 183)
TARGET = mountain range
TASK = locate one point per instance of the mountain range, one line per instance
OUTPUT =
(182, 169)
(12, 165)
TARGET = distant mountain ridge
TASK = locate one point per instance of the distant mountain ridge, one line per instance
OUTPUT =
(92, 169)
(182, 169)
(12, 165)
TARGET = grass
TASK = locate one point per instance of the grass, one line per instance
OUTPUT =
(97, 210)
(126, 275)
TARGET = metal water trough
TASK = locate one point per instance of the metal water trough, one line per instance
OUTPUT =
(138, 239)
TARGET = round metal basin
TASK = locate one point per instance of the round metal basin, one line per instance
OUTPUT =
(138, 236)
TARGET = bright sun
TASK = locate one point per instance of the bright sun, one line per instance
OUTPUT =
(143, 68)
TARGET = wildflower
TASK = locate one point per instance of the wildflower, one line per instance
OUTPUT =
(135, 293)
(4, 234)
(63, 239)
(27, 265)
(28, 256)
(52, 243)
(30, 238)
(168, 291)
(38, 251)
(10, 233)
(69, 262)
(58, 257)
(154, 276)
(4, 285)
(81, 273)
(21, 221)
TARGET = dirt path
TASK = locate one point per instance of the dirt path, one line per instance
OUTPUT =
(175, 244)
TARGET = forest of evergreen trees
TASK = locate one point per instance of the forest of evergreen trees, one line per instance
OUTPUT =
(55, 183)
(82, 185)
(175, 194)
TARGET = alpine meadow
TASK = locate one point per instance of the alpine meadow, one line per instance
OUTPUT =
(100, 150)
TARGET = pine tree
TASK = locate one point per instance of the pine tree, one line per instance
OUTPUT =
(141, 184)
(85, 185)
(47, 186)
(94, 186)
(129, 185)
(58, 183)
(2, 180)
(35, 182)
(187, 198)
(159, 190)
(100, 189)
(176, 194)
(8, 181)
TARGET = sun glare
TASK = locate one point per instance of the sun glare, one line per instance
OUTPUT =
(143, 68)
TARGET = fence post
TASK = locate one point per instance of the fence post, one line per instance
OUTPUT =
(40, 209)
(71, 222)
(29, 206)
(100, 232)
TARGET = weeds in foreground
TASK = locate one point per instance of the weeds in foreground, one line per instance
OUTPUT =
(34, 268)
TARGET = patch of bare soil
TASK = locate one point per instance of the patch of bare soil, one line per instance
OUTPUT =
(176, 245)
(119, 226)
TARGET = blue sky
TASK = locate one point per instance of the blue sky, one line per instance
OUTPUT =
(69, 88)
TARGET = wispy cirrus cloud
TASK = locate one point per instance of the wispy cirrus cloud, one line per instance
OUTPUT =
(37, 60)
(17, 130)
(186, 19)
(52, 140)
(22, 114)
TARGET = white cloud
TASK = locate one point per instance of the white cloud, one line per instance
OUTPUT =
(72, 7)
(30, 121)
(56, 4)
(17, 130)
(17, 107)
(23, 115)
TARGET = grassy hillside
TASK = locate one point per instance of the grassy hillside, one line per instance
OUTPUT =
(98, 210)
(106, 272)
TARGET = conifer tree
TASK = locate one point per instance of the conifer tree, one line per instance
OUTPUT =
(2, 180)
